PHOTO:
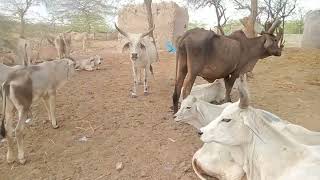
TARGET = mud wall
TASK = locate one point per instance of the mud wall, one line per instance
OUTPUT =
(170, 21)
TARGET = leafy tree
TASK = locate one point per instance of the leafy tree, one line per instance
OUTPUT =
(86, 13)
(219, 9)
(195, 24)
(18, 9)
(88, 23)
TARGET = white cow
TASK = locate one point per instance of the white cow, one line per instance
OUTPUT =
(143, 54)
(214, 159)
(211, 159)
(62, 43)
(24, 86)
(209, 92)
(197, 112)
(268, 153)
(83, 37)
(88, 64)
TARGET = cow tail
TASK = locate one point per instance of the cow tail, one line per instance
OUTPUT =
(151, 70)
(4, 92)
(196, 168)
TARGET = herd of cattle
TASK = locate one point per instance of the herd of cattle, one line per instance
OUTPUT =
(239, 140)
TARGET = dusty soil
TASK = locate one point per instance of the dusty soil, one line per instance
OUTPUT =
(140, 132)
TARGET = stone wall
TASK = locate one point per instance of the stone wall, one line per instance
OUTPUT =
(170, 21)
(311, 32)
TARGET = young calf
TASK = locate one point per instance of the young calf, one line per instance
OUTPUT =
(25, 86)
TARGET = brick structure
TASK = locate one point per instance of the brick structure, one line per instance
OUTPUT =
(170, 21)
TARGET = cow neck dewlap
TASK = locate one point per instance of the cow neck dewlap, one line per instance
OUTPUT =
(267, 144)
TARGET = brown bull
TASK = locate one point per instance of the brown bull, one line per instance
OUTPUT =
(204, 53)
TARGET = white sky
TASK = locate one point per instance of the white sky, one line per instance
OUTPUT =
(203, 15)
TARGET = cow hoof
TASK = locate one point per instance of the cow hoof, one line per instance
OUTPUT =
(10, 160)
(146, 93)
(55, 126)
(134, 96)
(22, 161)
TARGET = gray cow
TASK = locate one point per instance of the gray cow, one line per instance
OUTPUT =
(25, 86)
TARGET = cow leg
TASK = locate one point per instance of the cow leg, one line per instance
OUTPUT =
(46, 103)
(52, 108)
(229, 81)
(188, 85)
(181, 72)
(19, 133)
(145, 85)
(83, 45)
(10, 110)
(140, 78)
(135, 82)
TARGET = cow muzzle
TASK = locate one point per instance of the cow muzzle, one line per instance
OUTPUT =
(134, 56)
(200, 133)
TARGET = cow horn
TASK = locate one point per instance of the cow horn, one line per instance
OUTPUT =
(144, 34)
(243, 92)
(274, 25)
(120, 31)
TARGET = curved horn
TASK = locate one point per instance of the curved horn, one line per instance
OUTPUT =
(275, 24)
(120, 31)
(144, 34)
(243, 92)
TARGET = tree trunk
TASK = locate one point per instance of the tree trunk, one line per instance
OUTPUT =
(22, 23)
(148, 4)
(252, 19)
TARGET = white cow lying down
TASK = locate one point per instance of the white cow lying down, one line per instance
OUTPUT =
(218, 160)
(212, 159)
(210, 92)
(89, 64)
(257, 138)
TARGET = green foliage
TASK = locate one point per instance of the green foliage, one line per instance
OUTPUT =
(231, 26)
(88, 23)
(293, 27)
(7, 26)
(195, 24)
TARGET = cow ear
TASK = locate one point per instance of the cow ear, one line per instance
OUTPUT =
(268, 42)
(125, 47)
(92, 59)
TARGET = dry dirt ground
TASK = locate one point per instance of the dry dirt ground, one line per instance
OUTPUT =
(140, 132)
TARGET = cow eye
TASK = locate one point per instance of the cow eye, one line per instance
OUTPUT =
(189, 107)
(142, 46)
(226, 120)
